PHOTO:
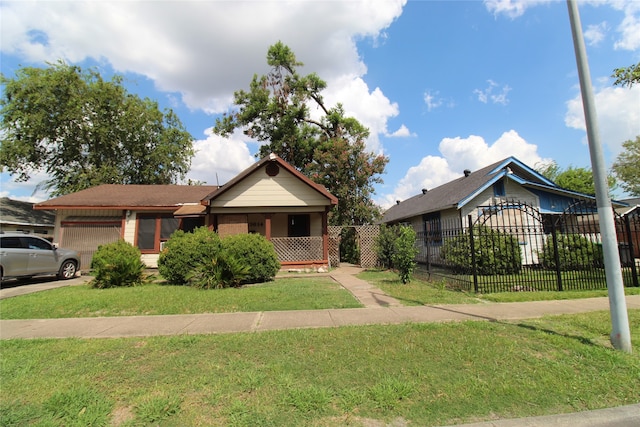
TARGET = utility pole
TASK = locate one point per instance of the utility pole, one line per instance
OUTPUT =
(620, 334)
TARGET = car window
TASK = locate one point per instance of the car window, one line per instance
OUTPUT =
(10, 243)
(33, 243)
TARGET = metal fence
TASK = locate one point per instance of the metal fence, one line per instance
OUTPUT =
(511, 246)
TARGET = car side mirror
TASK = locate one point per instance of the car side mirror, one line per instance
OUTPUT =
(55, 246)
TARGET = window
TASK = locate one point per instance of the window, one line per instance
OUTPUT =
(154, 229)
(432, 229)
(299, 225)
(498, 189)
(190, 224)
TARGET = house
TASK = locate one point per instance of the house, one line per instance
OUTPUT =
(507, 193)
(18, 216)
(270, 198)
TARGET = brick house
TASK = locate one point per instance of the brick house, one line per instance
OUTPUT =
(270, 198)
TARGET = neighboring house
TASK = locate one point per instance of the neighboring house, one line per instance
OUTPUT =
(270, 198)
(476, 193)
(18, 216)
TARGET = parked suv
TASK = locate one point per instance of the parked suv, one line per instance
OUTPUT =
(26, 255)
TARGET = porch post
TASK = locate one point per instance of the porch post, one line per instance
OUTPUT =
(325, 235)
(267, 226)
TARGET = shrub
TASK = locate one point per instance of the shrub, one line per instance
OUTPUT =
(255, 251)
(405, 252)
(496, 252)
(385, 244)
(117, 264)
(222, 271)
(184, 252)
(575, 252)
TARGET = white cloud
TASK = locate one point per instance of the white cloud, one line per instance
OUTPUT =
(218, 160)
(202, 50)
(372, 109)
(511, 8)
(488, 94)
(24, 191)
(617, 111)
(594, 34)
(459, 154)
(433, 100)
(628, 29)
(402, 132)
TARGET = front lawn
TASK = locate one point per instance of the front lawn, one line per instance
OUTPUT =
(411, 374)
(422, 292)
(308, 293)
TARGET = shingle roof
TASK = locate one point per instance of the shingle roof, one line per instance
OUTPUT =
(17, 212)
(121, 196)
(456, 193)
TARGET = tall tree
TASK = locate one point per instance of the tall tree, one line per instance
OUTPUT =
(627, 76)
(330, 148)
(627, 166)
(84, 131)
(573, 178)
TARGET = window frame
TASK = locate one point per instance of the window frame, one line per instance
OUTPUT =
(158, 237)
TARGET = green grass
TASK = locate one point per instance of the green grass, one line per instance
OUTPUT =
(308, 293)
(421, 374)
(422, 292)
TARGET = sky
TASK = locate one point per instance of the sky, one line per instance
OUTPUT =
(443, 86)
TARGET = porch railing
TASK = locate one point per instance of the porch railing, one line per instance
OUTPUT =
(291, 249)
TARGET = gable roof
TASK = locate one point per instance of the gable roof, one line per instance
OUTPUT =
(16, 212)
(459, 192)
(130, 196)
(271, 158)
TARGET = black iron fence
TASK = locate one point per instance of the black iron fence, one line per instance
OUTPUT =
(513, 247)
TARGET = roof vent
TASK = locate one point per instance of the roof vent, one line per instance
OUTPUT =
(467, 172)
(424, 190)
(397, 202)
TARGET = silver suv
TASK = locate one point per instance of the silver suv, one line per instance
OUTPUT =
(25, 255)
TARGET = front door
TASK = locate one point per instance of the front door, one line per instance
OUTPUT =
(299, 225)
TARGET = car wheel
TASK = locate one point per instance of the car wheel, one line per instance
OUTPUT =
(67, 270)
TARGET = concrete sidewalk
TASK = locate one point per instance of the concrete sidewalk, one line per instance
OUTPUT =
(379, 309)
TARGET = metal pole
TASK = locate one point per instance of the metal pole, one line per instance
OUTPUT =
(620, 334)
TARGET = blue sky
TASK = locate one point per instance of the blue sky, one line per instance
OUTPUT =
(442, 85)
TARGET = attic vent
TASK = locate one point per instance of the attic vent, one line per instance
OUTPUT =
(272, 169)
(424, 191)
(467, 172)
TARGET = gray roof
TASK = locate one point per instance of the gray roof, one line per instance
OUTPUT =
(16, 212)
(455, 194)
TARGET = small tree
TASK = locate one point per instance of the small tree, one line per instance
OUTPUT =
(117, 264)
(385, 244)
(405, 252)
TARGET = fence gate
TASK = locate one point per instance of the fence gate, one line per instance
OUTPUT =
(365, 238)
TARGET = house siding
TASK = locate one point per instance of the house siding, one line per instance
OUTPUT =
(259, 189)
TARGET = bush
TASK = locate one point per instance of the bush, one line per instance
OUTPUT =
(575, 252)
(385, 244)
(184, 252)
(255, 251)
(496, 252)
(117, 264)
(222, 271)
(405, 252)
